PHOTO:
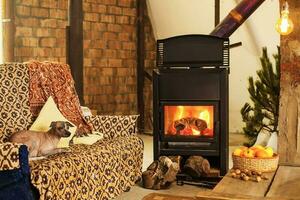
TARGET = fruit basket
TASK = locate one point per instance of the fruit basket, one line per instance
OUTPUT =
(255, 164)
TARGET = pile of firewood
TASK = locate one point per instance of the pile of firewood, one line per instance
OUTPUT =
(162, 172)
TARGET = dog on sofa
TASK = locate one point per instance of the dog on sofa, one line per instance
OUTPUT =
(43, 143)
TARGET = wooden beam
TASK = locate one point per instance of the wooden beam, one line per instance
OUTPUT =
(217, 12)
(8, 30)
(141, 6)
(75, 45)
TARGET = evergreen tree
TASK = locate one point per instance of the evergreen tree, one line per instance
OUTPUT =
(262, 115)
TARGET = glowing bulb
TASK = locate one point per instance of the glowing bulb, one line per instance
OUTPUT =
(284, 24)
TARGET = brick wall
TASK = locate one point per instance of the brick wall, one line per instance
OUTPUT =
(40, 30)
(110, 56)
(109, 48)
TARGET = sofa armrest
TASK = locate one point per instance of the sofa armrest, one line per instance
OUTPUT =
(9, 156)
(112, 126)
(14, 172)
(14, 162)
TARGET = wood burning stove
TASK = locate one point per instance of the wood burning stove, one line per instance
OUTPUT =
(190, 98)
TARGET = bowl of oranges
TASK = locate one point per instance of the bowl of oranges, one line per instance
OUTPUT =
(255, 158)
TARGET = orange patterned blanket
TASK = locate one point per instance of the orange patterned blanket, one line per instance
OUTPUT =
(55, 79)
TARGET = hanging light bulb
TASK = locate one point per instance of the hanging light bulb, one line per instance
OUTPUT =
(284, 24)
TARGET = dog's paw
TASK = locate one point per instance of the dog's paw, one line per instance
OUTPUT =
(37, 158)
(65, 150)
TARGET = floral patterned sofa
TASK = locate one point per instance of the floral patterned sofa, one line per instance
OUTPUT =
(99, 171)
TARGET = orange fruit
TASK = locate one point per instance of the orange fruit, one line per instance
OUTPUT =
(261, 154)
(255, 149)
(243, 150)
(238, 152)
(258, 146)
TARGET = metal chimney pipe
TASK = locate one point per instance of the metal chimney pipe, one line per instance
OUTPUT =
(236, 17)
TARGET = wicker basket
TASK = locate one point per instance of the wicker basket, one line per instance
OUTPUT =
(256, 164)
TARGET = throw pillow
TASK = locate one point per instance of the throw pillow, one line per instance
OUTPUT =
(48, 114)
(112, 126)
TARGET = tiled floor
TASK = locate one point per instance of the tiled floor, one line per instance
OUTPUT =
(138, 192)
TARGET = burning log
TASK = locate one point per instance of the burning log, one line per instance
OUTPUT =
(236, 17)
(196, 166)
(192, 122)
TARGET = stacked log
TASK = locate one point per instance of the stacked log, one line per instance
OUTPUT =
(162, 172)
(196, 166)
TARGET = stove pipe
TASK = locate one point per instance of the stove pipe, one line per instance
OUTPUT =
(236, 17)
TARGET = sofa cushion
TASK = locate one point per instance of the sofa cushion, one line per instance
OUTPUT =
(48, 114)
(15, 112)
(112, 126)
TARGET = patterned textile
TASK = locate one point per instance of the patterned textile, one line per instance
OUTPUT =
(55, 79)
(14, 99)
(99, 171)
(112, 126)
(9, 156)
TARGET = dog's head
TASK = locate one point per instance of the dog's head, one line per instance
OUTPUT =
(61, 128)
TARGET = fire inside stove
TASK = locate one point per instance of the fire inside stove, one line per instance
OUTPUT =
(189, 120)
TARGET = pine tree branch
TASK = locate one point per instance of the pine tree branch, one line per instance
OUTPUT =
(264, 93)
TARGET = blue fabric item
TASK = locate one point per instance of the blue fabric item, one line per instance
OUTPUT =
(15, 184)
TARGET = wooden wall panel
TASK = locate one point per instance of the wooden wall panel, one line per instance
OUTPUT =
(289, 111)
